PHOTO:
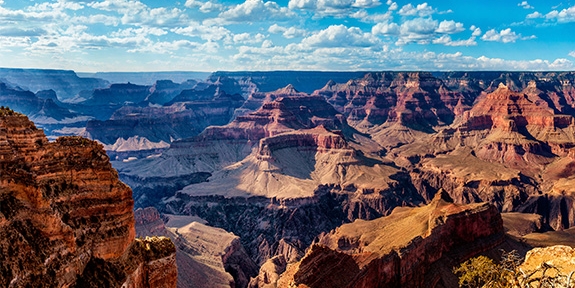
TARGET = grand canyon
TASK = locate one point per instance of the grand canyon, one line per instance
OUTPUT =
(281, 178)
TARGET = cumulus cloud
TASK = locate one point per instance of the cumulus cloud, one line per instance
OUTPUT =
(450, 27)
(572, 53)
(121, 6)
(210, 33)
(340, 36)
(168, 47)
(288, 33)
(204, 7)
(505, 36)
(338, 8)
(476, 31)
(418, 30)
(525, 5)
(385, 29)
(447, 41)
(96, 19)
(255, 10)
(564, 16)
(535, 15)
(392, 5)
(421, 10)
(247, 38)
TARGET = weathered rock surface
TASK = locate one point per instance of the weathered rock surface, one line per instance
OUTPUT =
(206, 256)
(166, 123)
(65, 216)
(398, 250)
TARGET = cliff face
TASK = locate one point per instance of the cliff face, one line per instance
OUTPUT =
(63, 208)
(412, 99)
(208, 257)
(397, 250)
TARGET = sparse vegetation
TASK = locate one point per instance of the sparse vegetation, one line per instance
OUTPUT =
(484, 272)
(5, 111)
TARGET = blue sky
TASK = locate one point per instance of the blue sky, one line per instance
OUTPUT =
(343, 35)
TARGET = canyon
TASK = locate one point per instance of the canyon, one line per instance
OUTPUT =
(66, 220)
(295, 180)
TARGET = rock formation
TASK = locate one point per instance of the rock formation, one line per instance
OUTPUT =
(398, 250)
(65, 218)
(66, 83)
(207, 257)
(177, 120)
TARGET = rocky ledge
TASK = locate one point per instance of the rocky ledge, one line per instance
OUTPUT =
(66, 220)
(397, 250)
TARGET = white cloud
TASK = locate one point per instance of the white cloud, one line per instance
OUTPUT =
(340, 36)
(121, 6)
(421, 10)
(209, 33)
(535, 15)
(572, 53)
(288, 33)
(255, 10)
(247, 38)
(505, 36)
(365, 17)
(168, 47)
(392, 5)
(476, 31)
(525, 5)
(450, 27)
(58, 5)
(385, 29)
(338, 8)
(563, 16)
(96, 19)
(204, 7)
(366, 3)
(418, 30)
(447, 41)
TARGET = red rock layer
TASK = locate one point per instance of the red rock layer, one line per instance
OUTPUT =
(359, 260)
(409, 98)
(62, 205)
(318, 139)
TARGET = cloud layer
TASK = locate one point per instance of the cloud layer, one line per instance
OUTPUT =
(114, 35)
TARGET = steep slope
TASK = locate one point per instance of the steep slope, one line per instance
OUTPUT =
(206, 256)
(398, 250)
(66, 219)
(219, 146)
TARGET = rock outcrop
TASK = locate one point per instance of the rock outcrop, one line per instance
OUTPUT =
(206, 256)
(398, 250)
(166, 123)
(65, 218)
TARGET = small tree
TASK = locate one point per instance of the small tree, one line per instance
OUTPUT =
(483, 272)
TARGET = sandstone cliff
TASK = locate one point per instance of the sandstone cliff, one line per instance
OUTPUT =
(206, 256)
(65, 218)
(398, 250)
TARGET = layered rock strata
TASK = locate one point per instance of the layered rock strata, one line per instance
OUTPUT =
(206, 256)
(63, 212)
(397, 250)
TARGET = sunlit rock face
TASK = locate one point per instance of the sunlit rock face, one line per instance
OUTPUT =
(207, 257)
(64, 212)
(397, 250)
